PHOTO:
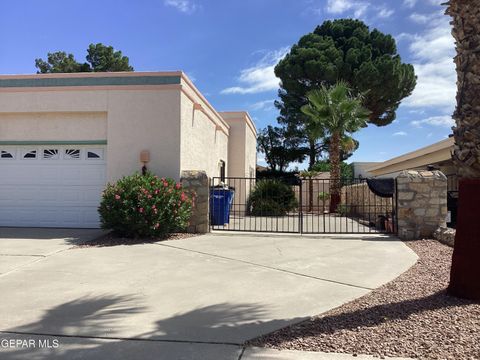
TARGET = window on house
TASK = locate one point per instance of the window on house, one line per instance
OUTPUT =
(222, 170)
(4, 154)
(30, 154)
(95, 154)
(72, 154)
(51, 154)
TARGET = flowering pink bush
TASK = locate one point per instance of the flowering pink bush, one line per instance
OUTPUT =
(145, 206)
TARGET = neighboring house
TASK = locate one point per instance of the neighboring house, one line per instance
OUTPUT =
(437, 156)
(360, 169)
(63, 136)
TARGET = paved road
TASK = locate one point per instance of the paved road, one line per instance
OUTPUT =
(196, 298)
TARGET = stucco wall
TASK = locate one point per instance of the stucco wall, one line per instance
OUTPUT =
(242, 157)
(53, 126)
(135, 120)
(361, 202)
(144, 120)
(250, 152)
(242, 144)
(203, 142)
(236, 148)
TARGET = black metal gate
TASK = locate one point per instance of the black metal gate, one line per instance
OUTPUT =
(299, 205)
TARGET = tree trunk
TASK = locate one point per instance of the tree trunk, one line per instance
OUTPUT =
(465, 273)
(312, 153)
(335, 184)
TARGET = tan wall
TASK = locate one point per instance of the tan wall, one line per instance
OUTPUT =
(250, 152)
(53, 126)
(236, 148)
(143, 120)
(363, 203)
(311, 190)
(203, 143)
(136, 120)
(242, 159)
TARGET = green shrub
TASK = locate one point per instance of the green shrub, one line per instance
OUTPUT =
(145, 206)
(342, 209)
(271, 198)
(323, 196)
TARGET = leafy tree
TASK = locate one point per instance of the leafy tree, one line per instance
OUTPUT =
(338, 113)
(346, 170)
(342, 50)
(100, 58)
(105, 58)
(279, 150)
(60, 62)
(464, 278)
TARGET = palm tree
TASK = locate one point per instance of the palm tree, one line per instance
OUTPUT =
(465, 273)
(335, 112)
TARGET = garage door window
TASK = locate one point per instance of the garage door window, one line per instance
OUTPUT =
(4, 154)
(30, 154)
(72, 154)
(51, 154)
(95, 154)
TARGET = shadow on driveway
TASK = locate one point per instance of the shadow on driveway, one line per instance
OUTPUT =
(98, 315)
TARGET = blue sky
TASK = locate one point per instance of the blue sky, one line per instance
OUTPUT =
(229, 49)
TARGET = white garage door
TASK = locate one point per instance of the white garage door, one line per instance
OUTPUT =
(51, 186)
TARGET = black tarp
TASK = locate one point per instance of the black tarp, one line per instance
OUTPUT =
(382, 187)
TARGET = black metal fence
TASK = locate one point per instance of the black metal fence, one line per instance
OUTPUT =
(452, 199)
(299, 205)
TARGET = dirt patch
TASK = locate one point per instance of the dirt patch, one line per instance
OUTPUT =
(112, 240)
(411, 316)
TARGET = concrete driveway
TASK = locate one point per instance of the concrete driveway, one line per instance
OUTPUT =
(196, 298)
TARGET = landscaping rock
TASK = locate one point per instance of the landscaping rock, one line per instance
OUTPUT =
(445, 235)
(411, 316)
(422, 196)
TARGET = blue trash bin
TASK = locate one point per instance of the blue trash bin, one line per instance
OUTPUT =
(220, 202)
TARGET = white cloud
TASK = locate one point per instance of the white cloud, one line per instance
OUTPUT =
(409, 3)
(433, 52)
(263, 105)
(404, 36)
(400, 133)
(385, 13)
(441, 121)
(260, 77)
(340, 6)
(356, 8)
(185, 6)
(421, 18)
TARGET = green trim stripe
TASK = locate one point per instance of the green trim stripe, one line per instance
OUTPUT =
(90, 81)
(73, 142)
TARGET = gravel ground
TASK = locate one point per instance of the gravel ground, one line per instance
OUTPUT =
(411, 316)
(111, 240)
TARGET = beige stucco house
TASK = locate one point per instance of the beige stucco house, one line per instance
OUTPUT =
(438, 156)
(64, 136)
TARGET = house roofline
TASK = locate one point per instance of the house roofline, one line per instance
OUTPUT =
(438, 147)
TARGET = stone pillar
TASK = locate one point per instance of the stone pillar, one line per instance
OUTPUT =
(199, 183)
(421, 203)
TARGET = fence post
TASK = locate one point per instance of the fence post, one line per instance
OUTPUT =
(421, 203)
(300, 208)
(199, 183)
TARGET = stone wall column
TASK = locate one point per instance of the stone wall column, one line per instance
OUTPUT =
(199, 183)
(421, 203)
